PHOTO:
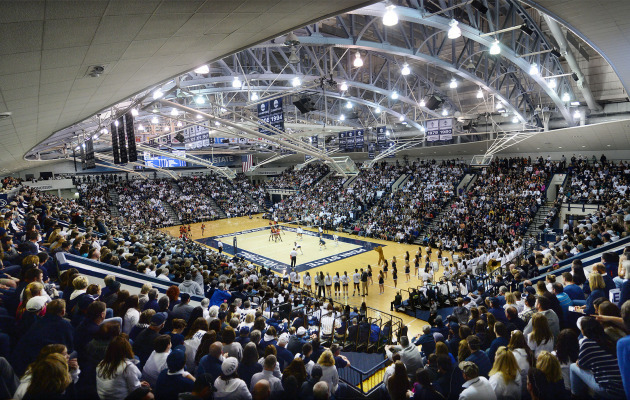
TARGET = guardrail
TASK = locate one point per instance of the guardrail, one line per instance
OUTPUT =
(362, 382)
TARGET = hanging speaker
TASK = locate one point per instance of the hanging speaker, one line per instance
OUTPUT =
(305, 105)
(434, 102)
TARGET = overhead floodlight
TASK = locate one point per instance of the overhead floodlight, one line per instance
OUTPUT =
(293, 57)
(387, 133)
(343, 87)
(405, 69)
(575, 103)
(134, 112)
(348, 105)
(155, 120)
(401, 118)
(174, 112)
(390, 18)
(167, 128)
(499, 105)
(342, 117)
(453, 84)
(394, 95)
(199, 116)
(157, 94)
(422, 103)
(254, 96)
(223, 109)
(236, 83)
(358, 62)
(479, 94)
(566, 97)
(204, 69)
(577, 114)
(552, 83)
(104, 131)
(377, 110)
(291, 40)
(454, 32)
(200, 100)
(515, 120)
(140, 127)
(95, 137)
(116, 123)
(495, 48)
(444, 112)
(533, 70)
(296, 82)
(423, 129)
(217, 123)
(179, 124)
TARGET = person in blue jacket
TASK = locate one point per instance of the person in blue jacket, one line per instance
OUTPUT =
(174, 380)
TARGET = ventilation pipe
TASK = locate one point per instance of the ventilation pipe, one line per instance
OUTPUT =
(557, 33)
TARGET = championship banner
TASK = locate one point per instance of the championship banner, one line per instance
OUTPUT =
(349, 141)
(381, 139)
(433, 130)
(371, 150)
(315, 141)
(271, 113)
(90, 161)
(342, 141)
(446, 128)
(359, 138)
(390, 146)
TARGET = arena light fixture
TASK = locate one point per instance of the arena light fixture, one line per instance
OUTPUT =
(254, 96)
(134, 112)
(343, 87)
(348, 105)
(236, 83)
(515, 119)
(174, 112)
(395, 95)
(499, 105)
(454, 32)
(401, 118)
(479, 94)
(377, 110)
(552, 83)
(390, 18)
(296, 82)
(453, 84)
(200, 100)
(422, 103)
(533, 70)
(204, 69)
(199, 116)
(155, 120)
(566, 97)
(157, 94)
(116, 123)
(179, 124)
(140, 127)
(217, 123)
(495, 48)
(405, 69)
(342, 117)
(577, 114)
(358, 62)
(167, 128)
(444, 112)
(104, 131)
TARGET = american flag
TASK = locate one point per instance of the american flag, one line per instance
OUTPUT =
(247, 162)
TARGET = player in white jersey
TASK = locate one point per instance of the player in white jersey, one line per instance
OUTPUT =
(356, 280)
(298, 247)
(344, 283)
(336, 239)
(300, 232)
(307, 281)
(336, 284)
(296, 279)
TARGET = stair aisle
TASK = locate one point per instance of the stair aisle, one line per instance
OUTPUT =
(113, 208)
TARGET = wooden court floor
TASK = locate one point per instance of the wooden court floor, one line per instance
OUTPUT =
(310, 244)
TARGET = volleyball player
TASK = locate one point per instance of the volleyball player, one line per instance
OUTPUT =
(296, 279)
(297, 246)
(356, 280)
(344, 283)
(300, 232)
(328, 283)
(336, 239)
(336, 284)
(322, 244)
(203, 229)
(307, 281)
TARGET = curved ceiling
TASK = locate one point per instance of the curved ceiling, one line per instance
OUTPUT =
(48, 49)
(603, 24)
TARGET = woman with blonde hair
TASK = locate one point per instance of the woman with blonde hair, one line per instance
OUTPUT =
(541, 338)
(510, 300)
(47, 350)
(521, 351)
(329, 371)
(33, 289)
(598, 289)
(550, 366)
(505, 377)
(50, 377)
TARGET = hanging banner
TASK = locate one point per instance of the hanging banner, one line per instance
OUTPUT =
(359, 140)
(342, 141)
(381, 138)
(391, 145)
(115, 146)
(90, 161)
(271, 113)
(122, 140)
(446, 128)
(349, 141)
(371, 150)
(315, 141)
(132, 153)
(433, 130)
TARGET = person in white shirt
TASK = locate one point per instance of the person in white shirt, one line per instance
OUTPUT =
(328, 283)
(476, 387)
(356, 279)
(540, 338)
(164, 275)
(336, 284)
(344, 283)
(505, 376)
(293, 256)
(307, 281)
(157, 360)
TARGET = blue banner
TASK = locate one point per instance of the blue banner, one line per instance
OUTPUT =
(342, 141)
(359, 139)
(371, 150)
(381, 138)
(271, 113)
(349, 141)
